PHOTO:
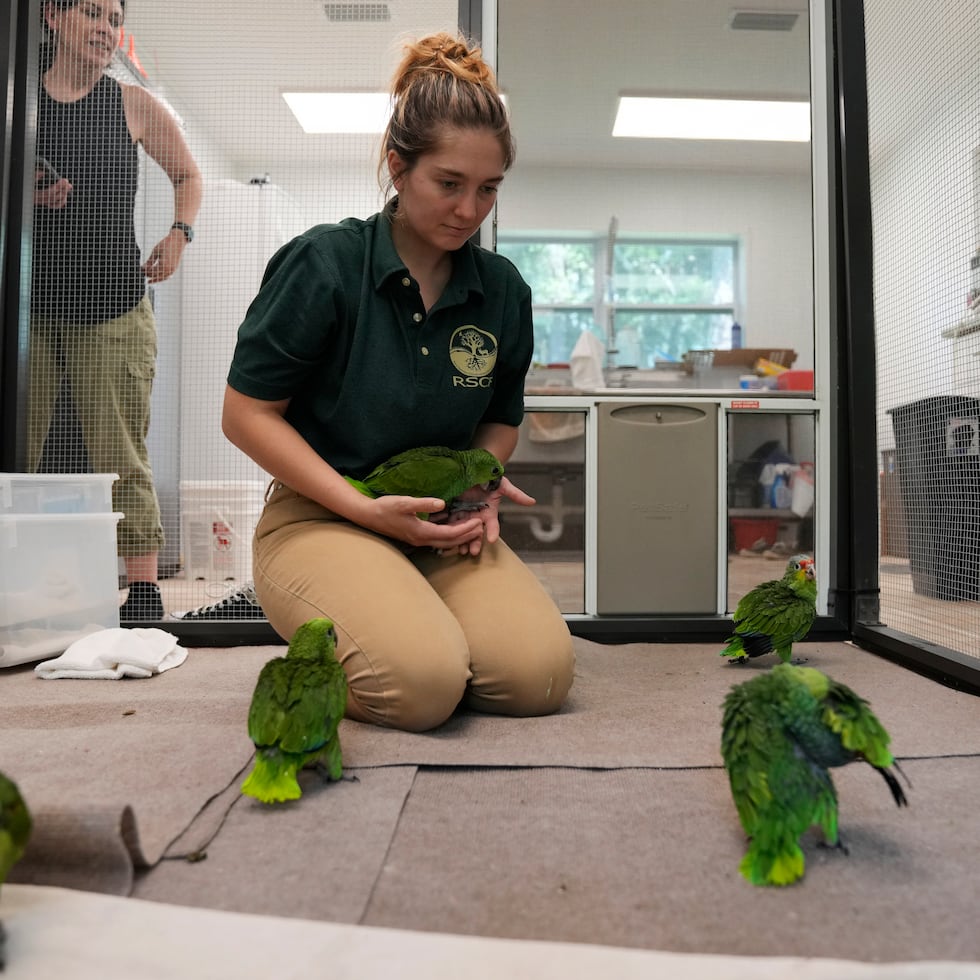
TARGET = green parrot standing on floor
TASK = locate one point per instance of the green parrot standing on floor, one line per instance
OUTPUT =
(296, 709)
(775, 614)
(15, 831)
(434, 471)
(781, 733)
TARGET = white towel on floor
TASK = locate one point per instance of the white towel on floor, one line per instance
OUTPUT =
(113, 653)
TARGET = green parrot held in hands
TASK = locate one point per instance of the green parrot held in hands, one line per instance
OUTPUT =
(775, 614)
(15, 831)
(434, 471)
(296, 709)
(781, 733)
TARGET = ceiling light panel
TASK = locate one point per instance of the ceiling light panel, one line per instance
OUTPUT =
(644, 117)
(340, 112)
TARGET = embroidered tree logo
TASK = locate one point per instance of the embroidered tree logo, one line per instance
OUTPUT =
(473, 352)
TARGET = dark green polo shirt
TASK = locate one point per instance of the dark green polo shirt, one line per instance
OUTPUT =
(338, 326)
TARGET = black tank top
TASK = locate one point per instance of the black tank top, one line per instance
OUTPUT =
(86, 260)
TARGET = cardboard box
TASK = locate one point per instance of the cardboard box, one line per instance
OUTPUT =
(745, 357)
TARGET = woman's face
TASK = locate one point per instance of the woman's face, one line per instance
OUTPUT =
(88, 33)
(446, 196)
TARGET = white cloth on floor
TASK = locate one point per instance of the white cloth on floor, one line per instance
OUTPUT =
(110, 654)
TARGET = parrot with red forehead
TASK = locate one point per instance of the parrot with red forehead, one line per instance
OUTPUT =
(775, 614)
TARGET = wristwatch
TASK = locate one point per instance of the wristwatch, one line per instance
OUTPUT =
(185, 228)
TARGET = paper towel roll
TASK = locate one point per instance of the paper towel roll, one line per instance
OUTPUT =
(586, 361)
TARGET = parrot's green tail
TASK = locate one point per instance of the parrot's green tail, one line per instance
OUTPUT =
(273, 778)
(735, 648)
(773, 869)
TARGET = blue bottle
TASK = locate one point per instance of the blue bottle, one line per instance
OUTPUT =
(736, 336)
(782, 496)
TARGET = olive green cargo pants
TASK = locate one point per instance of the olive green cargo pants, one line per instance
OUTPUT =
(110, 367)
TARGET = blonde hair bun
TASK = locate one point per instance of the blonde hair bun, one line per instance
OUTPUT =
(444, 52)
(442, 83)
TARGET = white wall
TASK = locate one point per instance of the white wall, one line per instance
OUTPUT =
(769, 214)
(351, 190)
(238, 229)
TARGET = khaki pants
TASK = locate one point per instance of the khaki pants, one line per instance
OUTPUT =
(110, 367)
(417, 634)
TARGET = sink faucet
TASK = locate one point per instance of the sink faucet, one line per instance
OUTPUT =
(619, 378)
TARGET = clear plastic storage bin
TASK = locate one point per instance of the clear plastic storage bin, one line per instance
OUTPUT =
(56, 493)
(58, 582)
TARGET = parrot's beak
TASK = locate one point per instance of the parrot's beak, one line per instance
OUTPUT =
(809, 570)
(492, 485)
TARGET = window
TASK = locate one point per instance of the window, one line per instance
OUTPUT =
(659, 298)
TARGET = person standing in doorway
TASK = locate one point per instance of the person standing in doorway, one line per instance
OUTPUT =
(374, 336)
(91, 320)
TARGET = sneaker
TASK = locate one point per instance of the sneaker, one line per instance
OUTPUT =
(240, 604)
(143, 604)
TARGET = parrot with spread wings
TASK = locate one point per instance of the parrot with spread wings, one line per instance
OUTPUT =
(782, 732)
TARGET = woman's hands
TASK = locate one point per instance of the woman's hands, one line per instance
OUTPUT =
(397, 517)
(488, 517)
(459, 531)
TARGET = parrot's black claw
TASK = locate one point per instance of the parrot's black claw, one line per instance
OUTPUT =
(839, 846)
(323, 771)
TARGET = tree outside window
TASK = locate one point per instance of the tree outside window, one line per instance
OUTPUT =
(671, 296)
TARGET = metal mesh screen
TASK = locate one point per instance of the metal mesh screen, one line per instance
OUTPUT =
(133, 326)
(216, 74)
(923, 92)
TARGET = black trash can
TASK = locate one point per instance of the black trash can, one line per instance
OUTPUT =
(937, 451)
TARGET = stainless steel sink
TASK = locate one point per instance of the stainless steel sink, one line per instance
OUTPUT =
(645, 379)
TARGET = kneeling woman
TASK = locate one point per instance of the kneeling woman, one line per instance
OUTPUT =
(370, 337)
